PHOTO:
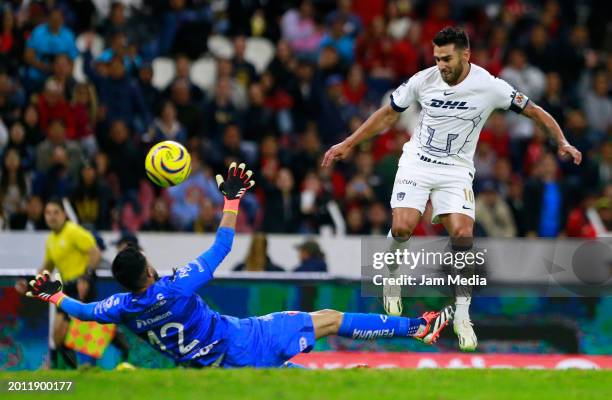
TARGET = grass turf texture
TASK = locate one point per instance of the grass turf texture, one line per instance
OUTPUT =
(252, 384)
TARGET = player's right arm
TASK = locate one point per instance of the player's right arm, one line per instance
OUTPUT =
(45, 289)
(383, 119)
(194, 275)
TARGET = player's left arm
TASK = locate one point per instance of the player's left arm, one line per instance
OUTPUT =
(198, 272)
(48, 290)
(548, 124)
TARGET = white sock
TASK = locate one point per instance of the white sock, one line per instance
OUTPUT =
(462, 308)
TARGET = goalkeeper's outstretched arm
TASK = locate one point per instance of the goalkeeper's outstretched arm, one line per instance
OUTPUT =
(45, 289)
(197, 273)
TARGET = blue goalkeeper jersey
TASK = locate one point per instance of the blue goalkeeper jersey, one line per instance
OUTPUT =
(170, 315)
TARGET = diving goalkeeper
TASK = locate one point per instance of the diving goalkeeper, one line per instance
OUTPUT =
(168, 313)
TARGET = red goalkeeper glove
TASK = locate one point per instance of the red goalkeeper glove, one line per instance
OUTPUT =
(45, 289)
(236, 184)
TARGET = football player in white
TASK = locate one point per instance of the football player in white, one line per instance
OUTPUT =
(456, 98)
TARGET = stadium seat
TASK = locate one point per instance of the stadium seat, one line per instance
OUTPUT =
(97, 46)
(204, 72)
(220, 46)
(163, 72)
(260, 52)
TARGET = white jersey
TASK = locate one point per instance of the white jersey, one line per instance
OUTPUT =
(452, 116)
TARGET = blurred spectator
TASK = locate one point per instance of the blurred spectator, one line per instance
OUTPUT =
(17, 140)
(600, 215)
(257, 258)
(522, 76)
(278, 100)
(306, 96)
(187, 197)
(597, 104)
(125, 162)
(30, 121)
(378, 219)
(308, 152)
(342, 41)
(12, 97)
(207, 220)
(578, 224)
(150, 94)
(220, 111)
(259, 119)
(184, 29)
(354, 88)
(312, 259)
(166, 126)
(283, 65)
(32, 219)
(85, 111)
(553, 100)
(120, 95)
(281, 212)
(344, 11)
(540, 50)
(53, 105)
(485, 157)
(62, 74)
(187, 112)
(92, 200)
(182, 70)
(545, 197)
(356, 221)
(160, 217)
(335, 112)
(46, 41)
(13, 184)
(47, 154)
(301, 31)
(492, 212)
(316, 202)
(244, 71)
(604, 170)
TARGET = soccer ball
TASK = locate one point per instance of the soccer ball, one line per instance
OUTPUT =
(168, 163)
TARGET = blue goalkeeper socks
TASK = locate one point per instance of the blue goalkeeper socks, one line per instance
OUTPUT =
(372, 326)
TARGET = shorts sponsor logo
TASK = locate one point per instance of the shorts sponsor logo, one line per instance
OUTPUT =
(400, 196)
(406, 182)
(303, 343)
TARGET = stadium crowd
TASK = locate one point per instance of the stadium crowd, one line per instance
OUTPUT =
(334, 63)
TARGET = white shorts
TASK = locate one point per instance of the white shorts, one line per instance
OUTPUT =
(448, 187)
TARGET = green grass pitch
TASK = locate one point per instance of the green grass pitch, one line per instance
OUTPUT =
(470, 384)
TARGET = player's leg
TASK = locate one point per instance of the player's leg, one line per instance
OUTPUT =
(371, 326)
(408, 200)
(460, 228)
(404, 222)
(61, 324)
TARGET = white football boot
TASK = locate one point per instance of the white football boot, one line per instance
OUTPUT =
(464, 329)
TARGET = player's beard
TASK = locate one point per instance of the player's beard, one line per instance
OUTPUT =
(454, 75)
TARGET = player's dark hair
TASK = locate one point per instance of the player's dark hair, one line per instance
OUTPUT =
(452, 35)
(58, 202)
(129, 268)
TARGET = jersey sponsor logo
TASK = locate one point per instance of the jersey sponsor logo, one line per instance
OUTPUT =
(367, 334)
(400, 196)
(141, 323)
(449, 104)
(405, 182)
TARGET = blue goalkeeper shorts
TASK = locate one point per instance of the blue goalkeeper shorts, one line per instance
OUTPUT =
(269, 340)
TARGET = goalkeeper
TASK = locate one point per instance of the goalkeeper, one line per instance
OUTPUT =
(168, 313)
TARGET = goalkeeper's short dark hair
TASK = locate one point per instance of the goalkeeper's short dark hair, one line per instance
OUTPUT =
(452, 35)
(129, 268)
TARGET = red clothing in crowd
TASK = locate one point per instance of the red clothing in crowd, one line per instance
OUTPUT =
(60, 110)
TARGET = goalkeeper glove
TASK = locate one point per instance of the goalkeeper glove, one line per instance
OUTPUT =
(45, 289)
(233, 188)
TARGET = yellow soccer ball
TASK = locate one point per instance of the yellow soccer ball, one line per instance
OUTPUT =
(168, 163)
